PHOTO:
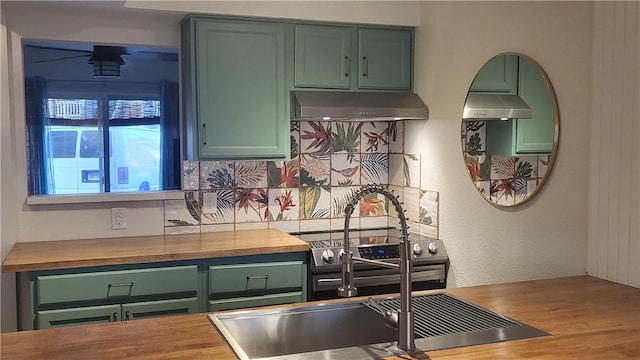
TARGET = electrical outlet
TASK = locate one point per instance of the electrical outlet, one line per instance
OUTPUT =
(118, 218)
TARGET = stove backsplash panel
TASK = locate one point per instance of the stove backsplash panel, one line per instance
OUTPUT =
(329, 162)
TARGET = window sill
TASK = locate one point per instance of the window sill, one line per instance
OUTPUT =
(104, 198)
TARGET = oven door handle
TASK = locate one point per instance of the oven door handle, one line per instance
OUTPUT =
(436, 274)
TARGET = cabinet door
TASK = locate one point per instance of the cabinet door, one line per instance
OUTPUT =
(499, 75)
(384, 59)
(323, 57)
(534, 135)
(77, 316)
(240, 90)
(148, 309)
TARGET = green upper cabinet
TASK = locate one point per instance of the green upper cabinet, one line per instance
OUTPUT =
(235, 98)
(384, 59)
(535, 135)
(351, 58)
(323, 56)
(500, 75)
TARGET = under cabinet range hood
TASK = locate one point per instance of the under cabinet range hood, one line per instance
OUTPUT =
(492, 106)
(369, 106)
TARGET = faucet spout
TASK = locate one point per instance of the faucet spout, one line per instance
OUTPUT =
(406, 336)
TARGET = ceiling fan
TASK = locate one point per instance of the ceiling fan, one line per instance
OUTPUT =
(106, 60)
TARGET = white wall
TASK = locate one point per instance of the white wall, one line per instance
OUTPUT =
(46, 21)
(545, 237)
(371, 12)
(7, 187)
(614, 159)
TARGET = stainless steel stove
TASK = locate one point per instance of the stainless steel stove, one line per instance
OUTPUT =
(430, 262)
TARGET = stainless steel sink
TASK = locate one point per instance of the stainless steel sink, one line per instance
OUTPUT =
(351, 330)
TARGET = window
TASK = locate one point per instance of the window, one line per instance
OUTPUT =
(75, 148)
(89, 135)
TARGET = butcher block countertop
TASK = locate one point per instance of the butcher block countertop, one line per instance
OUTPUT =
(588, 318)
(50, 255)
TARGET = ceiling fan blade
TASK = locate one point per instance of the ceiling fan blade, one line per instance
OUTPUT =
(62, 58)
(156, 55)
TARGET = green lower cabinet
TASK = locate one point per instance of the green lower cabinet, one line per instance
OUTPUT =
(77, 316)
(253, 281)
(116, 312)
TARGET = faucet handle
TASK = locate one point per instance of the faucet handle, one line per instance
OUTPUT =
(390, 317)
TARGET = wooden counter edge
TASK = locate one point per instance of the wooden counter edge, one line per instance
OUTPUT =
(289, 244)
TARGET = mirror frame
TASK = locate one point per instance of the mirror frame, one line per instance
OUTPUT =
(556, 135)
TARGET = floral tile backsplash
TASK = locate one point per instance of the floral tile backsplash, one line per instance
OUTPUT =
(329, 163)
(505, 180)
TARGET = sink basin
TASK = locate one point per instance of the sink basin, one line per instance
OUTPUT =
(272, 333)
(351, 330)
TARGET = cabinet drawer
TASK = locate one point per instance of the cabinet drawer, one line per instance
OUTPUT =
(52, 289)
(245, 279)
(255, 301)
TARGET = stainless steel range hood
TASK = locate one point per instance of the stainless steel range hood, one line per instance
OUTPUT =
(490, 107)
(369, 106)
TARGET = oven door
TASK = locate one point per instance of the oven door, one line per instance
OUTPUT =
(378, 281)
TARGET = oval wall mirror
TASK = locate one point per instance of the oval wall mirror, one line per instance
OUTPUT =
(510, 129)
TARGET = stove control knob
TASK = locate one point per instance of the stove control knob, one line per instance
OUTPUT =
(327, 255)
(417, 250)
(433, 248)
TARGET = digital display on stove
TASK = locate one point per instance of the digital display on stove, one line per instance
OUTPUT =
(380, 252)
